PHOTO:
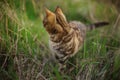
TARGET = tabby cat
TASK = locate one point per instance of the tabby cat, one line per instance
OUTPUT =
(65, 38)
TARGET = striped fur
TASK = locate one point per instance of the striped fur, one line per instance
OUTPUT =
(65, 38)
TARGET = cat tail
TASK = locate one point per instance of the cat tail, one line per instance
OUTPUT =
(96, 25)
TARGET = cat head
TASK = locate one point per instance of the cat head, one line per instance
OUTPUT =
(55, 22)
(50, 23)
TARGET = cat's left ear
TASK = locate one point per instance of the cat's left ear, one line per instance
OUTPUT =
(59, 11)
(50, 16)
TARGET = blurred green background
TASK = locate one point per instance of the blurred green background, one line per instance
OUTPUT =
(24, 41)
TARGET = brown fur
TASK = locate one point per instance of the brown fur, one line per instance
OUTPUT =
(65, 38)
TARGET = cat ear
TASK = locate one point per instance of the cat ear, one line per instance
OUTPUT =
(59, 11)
(51, 17)
(61, 19)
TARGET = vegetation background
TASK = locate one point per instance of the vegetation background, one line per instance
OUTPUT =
(24, 48)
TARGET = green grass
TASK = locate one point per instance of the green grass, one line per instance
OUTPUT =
(24, 42)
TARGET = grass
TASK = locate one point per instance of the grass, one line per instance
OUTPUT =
(24, 43)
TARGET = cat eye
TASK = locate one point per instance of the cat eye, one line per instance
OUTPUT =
(54, 31)
(45, 22)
